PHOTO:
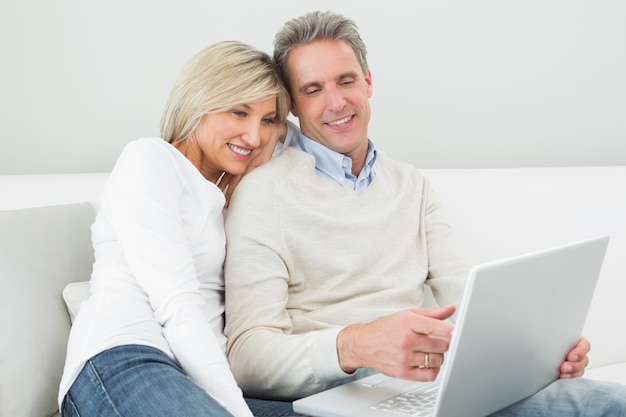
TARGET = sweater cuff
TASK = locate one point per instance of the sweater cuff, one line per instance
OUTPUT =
(324, 359)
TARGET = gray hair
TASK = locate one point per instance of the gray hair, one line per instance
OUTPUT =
(317, 26)
(218, 78)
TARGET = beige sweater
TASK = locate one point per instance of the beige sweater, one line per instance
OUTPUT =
(306, 258)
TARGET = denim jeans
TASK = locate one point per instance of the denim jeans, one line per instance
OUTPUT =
(140, 381)
(571, 398)
(563, 398)
(268, 408)
(577, 397)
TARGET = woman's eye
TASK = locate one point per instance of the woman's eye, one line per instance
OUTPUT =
(269, 121)
(240, 113)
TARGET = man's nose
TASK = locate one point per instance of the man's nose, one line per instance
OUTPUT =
(336, 102)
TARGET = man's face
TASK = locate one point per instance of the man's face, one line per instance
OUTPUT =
(330, 96)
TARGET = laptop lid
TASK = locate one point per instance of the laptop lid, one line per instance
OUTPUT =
(516, 322)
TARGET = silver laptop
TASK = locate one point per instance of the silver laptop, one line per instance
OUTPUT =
(517, 320)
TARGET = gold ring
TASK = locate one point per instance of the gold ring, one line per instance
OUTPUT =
(426, 360)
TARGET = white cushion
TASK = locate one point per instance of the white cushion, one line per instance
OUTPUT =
(41, 251)
(74, 294)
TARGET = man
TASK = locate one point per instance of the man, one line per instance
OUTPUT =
(330, 244)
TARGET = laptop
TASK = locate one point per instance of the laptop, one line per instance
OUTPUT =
(517, 320)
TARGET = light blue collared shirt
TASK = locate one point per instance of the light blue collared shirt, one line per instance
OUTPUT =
(333, 165)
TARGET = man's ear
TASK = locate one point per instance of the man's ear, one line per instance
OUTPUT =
(368, 81)
(293, 109)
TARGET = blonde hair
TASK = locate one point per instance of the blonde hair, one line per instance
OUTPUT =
(218, 78)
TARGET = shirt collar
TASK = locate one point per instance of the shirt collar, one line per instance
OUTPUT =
(333, 164)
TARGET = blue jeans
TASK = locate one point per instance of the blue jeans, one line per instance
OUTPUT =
(140, 381)
(571, 398)
(577, 397)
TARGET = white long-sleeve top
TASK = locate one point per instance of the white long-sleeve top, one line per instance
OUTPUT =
(158, 274)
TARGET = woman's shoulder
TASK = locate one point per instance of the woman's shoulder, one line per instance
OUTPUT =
(149, 151)
(147, 144)
(152, 159)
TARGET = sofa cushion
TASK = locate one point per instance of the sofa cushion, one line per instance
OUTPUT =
(74, 294)
(41, 251)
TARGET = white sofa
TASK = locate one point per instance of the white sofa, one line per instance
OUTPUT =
(495, 212)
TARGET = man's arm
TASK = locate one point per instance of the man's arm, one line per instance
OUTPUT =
(267, 360)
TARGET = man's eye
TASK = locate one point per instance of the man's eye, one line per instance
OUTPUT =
(311, 91)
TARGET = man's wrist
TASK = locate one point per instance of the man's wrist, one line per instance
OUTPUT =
(347, 349)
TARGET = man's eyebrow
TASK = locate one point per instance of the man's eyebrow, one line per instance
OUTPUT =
(350, 74)
(306, 86)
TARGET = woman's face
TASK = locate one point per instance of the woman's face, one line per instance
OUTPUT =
(228, 141)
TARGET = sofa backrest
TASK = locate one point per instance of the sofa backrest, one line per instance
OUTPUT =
(503, 212)
(21, 191)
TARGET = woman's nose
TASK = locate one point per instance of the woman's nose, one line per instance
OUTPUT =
(252, 136)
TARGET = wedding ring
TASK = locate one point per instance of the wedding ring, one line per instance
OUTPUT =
(426, 360)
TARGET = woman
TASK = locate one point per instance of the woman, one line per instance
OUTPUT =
(149, 340)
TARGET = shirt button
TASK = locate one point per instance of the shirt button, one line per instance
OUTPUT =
(340, 179)
(344, 164)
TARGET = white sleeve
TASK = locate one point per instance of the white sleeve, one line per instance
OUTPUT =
(144, 199)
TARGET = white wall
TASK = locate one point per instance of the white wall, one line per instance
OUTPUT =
(457, 83)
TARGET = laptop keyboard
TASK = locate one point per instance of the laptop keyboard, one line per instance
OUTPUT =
(413, 403)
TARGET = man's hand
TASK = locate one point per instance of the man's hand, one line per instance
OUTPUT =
(409, 344)
(576, 360)
(229, 182)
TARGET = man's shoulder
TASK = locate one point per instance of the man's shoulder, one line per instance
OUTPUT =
(290, 165)
(397, 168)
(289, 160)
